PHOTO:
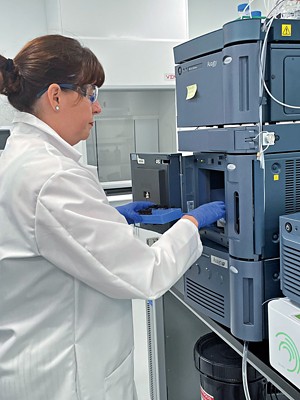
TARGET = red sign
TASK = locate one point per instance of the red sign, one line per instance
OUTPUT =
(170, 77)
(205, 395)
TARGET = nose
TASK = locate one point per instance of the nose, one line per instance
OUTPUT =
(96, 108)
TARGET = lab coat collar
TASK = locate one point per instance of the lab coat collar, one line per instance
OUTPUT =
(52, 136)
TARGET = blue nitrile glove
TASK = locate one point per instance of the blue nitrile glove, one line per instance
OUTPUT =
(208, 213)
(130, 210)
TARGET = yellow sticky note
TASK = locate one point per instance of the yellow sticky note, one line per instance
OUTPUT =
(286, 30)
(276, 177)
(191, 90)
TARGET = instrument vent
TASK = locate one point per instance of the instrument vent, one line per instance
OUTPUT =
(292, 186)
(205, 298)
(291, 270)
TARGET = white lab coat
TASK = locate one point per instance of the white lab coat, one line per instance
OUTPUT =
(69, 267)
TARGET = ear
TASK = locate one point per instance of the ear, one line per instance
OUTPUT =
(54, 93)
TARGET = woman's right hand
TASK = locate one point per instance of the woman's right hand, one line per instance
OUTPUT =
(207, 214)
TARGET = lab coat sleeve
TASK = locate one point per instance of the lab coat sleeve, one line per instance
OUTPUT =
(80, 233)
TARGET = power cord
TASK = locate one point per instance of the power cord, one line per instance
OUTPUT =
(244, 371)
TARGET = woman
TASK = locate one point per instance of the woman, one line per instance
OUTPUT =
(69, 262)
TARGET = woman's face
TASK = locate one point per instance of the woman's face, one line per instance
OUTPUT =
(68, 112)
(77, 116)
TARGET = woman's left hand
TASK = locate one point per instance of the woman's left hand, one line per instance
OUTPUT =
(130, 210)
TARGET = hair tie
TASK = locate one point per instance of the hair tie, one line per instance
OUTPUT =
(9, 66)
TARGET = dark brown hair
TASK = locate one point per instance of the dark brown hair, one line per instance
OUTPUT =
(45, 60)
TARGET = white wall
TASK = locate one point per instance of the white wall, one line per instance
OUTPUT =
(134, 40)
(21, 21)
(206, 16)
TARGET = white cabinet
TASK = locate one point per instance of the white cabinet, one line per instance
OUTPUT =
(131, 121)
(134, 19)
(133, 39)
(135, 63)
(146, 134)
(113, 142)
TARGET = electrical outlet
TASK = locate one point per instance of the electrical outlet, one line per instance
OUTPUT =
(268, 138)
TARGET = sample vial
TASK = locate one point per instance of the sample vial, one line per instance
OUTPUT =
(244, 11)
(256, 14)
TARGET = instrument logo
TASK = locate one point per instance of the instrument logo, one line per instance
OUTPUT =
(287, 345)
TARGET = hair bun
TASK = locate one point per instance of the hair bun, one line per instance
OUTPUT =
(11, 83)
(9, 66)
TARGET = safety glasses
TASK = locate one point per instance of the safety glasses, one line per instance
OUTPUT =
(90, 91)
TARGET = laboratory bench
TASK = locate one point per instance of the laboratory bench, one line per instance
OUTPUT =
(181, 326)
